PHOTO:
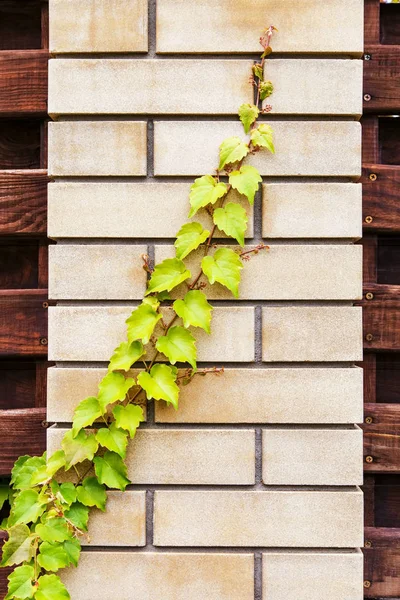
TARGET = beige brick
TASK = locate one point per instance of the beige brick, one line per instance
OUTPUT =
(302, 575)
(234, 25)
(98, 26)
(167, 86)
(191, 148)
(66, 388)
(192, 457)
(312, 210)
(105, 210)
(170, 576)
(186, 456)
(91, 333)
(255, 396)
(288, 272)
(309, 519)
(313, 456)
(312, 333)
(90, 272)
(97, 148)
(123, 523)
(149, 86)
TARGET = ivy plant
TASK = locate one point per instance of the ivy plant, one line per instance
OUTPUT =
(51, 497)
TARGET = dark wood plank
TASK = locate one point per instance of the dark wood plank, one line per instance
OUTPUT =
(23, 83)
(369, 366)
(381, 79)
(381, 198)
(20, 24)
(19, 264)
(389, 140)
(23, 323)
(21, 432)
(370, 249)
(23, 202)
(370, 140)
(382, 562)
(388, 378)
(382, 438)
(381, 317)
(389, 24)
(371, 22)
(20, 144)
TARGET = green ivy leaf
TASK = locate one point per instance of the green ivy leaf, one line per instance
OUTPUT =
(72, 548)
(52, 557)
(194, 310)
(18, 547)
(189, 237)
(246, 181)
(53, 530)
(20, 583)
(51, 588)
(125, 356)
(262, 137)
(160, 384)
(266, 89)
(232, 219)
(78, 515)
(27, 507)
(85, 414)
(65, 493)
(113, 438)
(167, 275)
(142, 322)
(77, 449)
(205, 190)
(248, 114)
(258, 71)
(178, 345)
(223, 267)
(128, 417)
(232, 150)
(55, 462)
(113, 388)
(111, 470)
(24, 469)
(92, 493)
(4, 494)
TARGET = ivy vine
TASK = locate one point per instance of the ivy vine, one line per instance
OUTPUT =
(47, 518)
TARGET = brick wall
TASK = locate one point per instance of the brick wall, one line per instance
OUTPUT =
(249, 491)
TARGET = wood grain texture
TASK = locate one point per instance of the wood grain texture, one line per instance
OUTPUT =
(23, 202)
(370, 140)
(21, 432)
(23, 83)
(381, 318)
(20, 24)
(381, 79)
(382, 562)
(381, 198)
(23, 323)
(382, 438)
(371, 22)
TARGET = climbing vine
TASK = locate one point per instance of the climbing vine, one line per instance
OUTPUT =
(48, 518)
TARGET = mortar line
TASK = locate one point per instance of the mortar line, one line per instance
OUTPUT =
(258, 575)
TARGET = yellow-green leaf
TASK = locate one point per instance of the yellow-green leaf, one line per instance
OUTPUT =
(18, 547)
(111, 470)
(160, 384)
(189, 237)
(205, 190)
(126, 355)
(232, 150)
(246, 181)
(86, 414)
(92, 493)
(262, 137)
(128, 417)
(20, 584)
(28, 506)
(194, 310)
(113, 438)
(178, 345)
(143, 320)
(51, 588)
(266, 89)
(248, 114)
(232, 219)
(113, 388)
(167, 275)
(79, 448)
(224, 267)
